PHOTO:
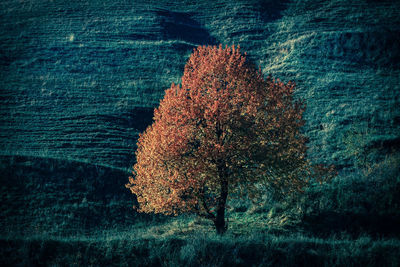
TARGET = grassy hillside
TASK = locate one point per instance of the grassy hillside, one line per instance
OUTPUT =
(79, 81)
(46, 196)
(201, 250)
(58, 213)
(77, 77)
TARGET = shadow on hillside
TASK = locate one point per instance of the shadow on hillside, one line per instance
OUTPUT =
(137, 118)
(327, 223)
(181, 26)
(271, 10)
(44, 195)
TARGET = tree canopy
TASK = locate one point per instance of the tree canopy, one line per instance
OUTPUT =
(225, 130)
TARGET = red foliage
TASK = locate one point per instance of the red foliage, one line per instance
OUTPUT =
(225, 129)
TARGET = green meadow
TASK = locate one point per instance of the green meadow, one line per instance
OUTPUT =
(79, 81)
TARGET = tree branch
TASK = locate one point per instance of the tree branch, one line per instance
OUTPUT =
(208, 214)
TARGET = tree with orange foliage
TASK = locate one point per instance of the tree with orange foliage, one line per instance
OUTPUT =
(224, 130)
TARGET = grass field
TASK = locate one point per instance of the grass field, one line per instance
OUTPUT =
(78, 78)
(199, 249)
(79, 81)
(64, 213)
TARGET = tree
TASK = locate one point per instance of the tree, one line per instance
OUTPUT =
(224, 131)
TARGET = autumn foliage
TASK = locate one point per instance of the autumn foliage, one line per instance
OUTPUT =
(224, 131)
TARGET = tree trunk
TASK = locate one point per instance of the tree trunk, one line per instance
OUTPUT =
(219, 220)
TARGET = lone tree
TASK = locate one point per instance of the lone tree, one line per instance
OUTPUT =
(224, 131)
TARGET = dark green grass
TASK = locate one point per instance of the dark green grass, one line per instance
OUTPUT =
(50, 196)
(65, 213)
(199, 250)
(79, 80)
(72, 72)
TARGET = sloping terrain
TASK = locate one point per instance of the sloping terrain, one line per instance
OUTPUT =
(58, 213)
(58, 197)
(79, 79)
(344, 55)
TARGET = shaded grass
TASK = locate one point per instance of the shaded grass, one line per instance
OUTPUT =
(61, 213)
(200, 249)
(60, 197)
(190, 241)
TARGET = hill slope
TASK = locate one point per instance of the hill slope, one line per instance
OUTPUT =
(79, 79)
